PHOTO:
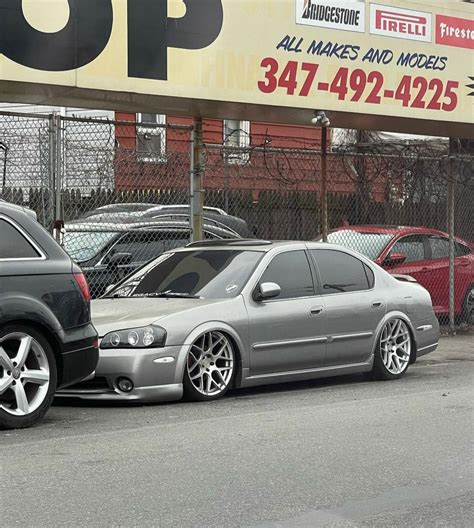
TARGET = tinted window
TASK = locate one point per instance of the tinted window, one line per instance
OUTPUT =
(341, 272)
(412, 246)
(83, 245)
(439, 247)
(461, 250)
(146, 245)
(211, 274)
(292, 273)
(13, 245)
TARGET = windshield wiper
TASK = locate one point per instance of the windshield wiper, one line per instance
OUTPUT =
(169, 293)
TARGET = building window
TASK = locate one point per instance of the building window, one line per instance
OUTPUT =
(151, 139)
(237, 137)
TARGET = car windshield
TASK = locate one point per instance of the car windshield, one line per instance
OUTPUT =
(83, 245)
(369, 244)
(209, 274)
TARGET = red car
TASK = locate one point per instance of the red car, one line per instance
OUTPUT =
(422, 253)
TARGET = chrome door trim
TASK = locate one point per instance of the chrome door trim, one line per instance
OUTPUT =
(304, 341)
(350, 336)
(307, 371)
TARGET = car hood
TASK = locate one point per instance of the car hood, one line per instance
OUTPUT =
(130, 312)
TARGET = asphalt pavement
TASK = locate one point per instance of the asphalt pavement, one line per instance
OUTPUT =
(340, 452)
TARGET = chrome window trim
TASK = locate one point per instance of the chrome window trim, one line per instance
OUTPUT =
(27, 237)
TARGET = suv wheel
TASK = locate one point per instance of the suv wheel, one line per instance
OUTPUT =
(28, 376)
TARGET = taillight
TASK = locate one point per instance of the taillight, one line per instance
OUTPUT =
(83, 286)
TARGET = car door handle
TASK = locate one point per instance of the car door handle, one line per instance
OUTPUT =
(377, 304)
(316, 310)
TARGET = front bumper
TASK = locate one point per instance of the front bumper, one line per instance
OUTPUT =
(156, 374)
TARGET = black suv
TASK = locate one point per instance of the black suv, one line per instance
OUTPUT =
(107, 251)
(47, 340)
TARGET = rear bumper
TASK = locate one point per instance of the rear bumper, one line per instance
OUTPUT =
(79, 354)
(427, 336)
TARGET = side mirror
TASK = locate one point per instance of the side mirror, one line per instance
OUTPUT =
(394, 259)
(267, 290)
(119, 259)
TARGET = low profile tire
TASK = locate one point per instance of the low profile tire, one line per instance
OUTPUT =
(210, 367)
(28, 376)
(468, 306)
(393, 352)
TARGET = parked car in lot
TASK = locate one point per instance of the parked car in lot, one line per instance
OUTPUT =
(239, 313)
(422, 253)
(128, 212)
(107, 252)
(47, 340)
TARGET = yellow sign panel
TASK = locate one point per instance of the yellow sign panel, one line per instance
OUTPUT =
(403, 59)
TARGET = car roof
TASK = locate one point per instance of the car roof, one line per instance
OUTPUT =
(80, 226)
(390, 229)
(253, 244)
(397, 230)
(7, 207)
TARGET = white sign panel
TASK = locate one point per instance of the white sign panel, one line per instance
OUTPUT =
(348, 15)
(401, 23)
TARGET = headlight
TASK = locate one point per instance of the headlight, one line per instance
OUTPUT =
(148, 336)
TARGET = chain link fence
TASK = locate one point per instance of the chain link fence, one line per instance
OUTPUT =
(123, 190)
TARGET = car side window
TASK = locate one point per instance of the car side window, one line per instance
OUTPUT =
(413, 246)
(143, 245)
(291, 271)
(461, 250)
(439, 247)
(13, 245)
(341, 272)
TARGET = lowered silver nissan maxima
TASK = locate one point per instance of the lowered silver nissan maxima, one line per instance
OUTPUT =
(238, 313)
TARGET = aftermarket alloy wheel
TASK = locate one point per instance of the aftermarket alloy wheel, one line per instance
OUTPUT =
(394, 349)
(28, 377)
(210, 367)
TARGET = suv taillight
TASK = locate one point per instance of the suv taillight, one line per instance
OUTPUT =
(83, 286)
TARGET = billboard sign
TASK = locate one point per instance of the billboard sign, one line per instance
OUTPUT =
(393, 59)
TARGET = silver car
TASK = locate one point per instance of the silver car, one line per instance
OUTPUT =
(237, 313)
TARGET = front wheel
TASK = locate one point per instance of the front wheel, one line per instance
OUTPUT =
(393, 352)
(209, 368)
(28, 377)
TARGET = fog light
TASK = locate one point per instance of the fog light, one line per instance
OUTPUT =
(124, 384)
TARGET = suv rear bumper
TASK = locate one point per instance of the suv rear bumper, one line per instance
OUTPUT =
(80, 354)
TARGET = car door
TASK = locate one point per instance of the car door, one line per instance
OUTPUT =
(287, 333)
(438, 279)
(417, 262)
(353, 307)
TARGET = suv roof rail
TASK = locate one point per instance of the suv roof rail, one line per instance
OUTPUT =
(230, 242)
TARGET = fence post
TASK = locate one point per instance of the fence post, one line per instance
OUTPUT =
(451, 192)
(55, 168)
(324, 180)
(196, 184)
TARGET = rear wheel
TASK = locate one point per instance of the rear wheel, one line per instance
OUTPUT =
(394, 349)
(468, 306)
(210, 367)
(28, 376)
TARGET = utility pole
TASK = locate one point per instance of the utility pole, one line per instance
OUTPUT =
(324, 186)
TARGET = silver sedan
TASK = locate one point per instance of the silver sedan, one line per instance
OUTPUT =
(221, 314)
